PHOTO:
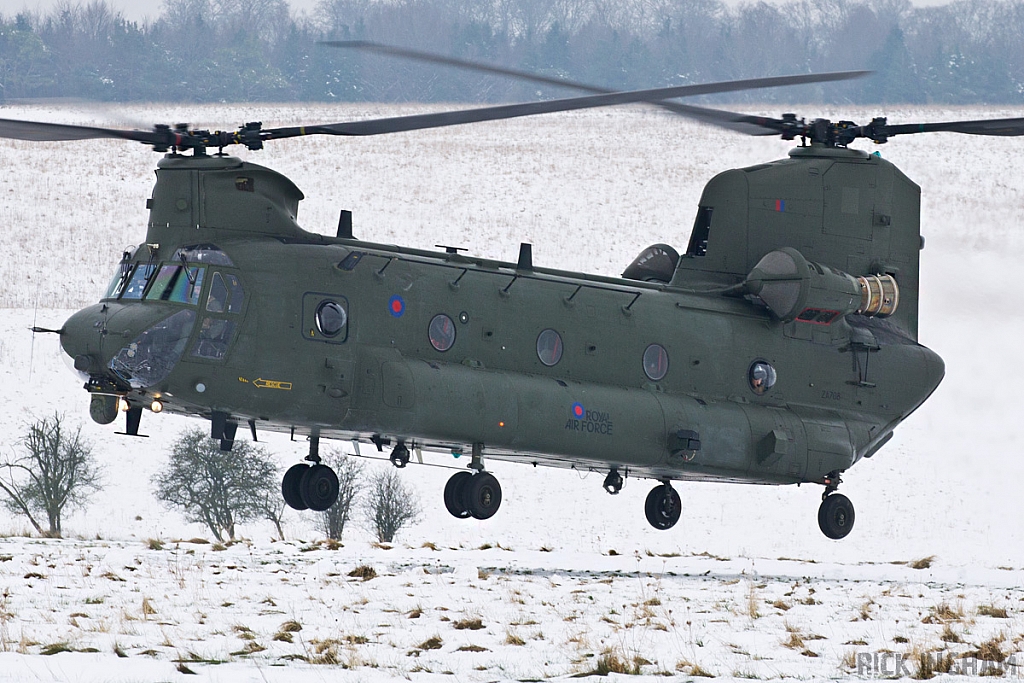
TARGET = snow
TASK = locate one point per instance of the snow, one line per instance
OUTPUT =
(572, 572)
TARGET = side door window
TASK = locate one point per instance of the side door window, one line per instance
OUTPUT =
(217, 329)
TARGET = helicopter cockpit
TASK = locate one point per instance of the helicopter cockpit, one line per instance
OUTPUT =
(151, 355)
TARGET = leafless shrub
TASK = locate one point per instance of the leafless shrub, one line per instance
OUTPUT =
(55, 470)
(389, 504)
(214, 487)
(332, 521)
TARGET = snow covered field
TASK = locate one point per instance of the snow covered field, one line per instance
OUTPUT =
(715, 594)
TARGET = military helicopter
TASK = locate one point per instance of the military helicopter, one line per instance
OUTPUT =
(779, 348)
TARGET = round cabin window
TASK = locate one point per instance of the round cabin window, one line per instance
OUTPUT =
(655, 362)
(549, 347)
(761, 377)
(331, 318)
(441, 332)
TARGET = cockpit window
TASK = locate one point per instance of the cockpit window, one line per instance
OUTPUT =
(203, 253)
(172, 283)
(151, 356)
(226, 294)
(139, 280)
(214, 338)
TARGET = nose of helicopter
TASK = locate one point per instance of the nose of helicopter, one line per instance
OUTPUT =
(81, 338)
(137, 343)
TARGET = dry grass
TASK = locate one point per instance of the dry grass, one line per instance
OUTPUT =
(923, 563)
(943, 613)
(432, 643)
(992, 611)
(474, 624)
(991, 650)
(512, 639)
(364, 572)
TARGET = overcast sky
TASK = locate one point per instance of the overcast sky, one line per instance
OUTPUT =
(139, 10)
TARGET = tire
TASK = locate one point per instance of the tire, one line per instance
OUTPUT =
(319, 487)
(290, 486)
(454, 490)
(482, 495)
(836, 516)
(663, 507)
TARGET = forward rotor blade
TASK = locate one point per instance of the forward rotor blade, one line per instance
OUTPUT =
(740, 123)
(509, 111)
(36, 131)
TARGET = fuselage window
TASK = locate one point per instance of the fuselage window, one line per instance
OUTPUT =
(331, 319)
(655, 362)
(174, 284)
(203, 253)
(701, 231)
(761, 377)
(549, 347)
(214, 338)
(441, 332)
(225, 294)
(137, 284)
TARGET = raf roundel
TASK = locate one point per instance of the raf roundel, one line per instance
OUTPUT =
(577, 410)
(396, 306)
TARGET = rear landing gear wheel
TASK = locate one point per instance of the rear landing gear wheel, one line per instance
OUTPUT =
(663, 507)
(836, 516)
(290, 486)
(482, 495)
(319, 487)
(454, 500)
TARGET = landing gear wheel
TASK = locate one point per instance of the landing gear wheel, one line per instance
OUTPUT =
(482, 495)
(400, 456)
(454, 496)
(319, 487)
(663, 507)
(835, 516)
(290, 486)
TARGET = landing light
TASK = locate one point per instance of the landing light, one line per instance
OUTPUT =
(122, 404)
(156, 406)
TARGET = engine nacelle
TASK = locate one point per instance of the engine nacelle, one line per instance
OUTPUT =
(794, 288)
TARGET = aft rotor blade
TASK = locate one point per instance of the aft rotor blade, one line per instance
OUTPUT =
(1005, 127)
(36, 131)
(509, 111)
(734, 121)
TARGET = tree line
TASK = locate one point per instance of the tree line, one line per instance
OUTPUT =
(966, 52)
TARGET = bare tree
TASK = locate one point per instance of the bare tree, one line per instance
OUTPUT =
(389, 504)
(217, 488)
(332, 521)
(54, 470)
(272, 508)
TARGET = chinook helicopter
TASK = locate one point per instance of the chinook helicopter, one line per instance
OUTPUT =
(780, 347)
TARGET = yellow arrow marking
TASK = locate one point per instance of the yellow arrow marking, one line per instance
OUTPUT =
(272, 384)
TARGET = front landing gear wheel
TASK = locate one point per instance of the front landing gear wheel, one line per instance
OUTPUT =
(319, 487)
(663, 507)
(290, 486)
(454, 499)
(835, 516)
